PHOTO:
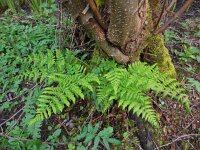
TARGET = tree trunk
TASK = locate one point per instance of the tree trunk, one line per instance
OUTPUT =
(126, 32)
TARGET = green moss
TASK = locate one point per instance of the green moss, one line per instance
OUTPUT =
(156, 52)
(100, 3)
(159, 54)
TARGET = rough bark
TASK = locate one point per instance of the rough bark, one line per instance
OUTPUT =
(123, 17)
(92, 27)
(129, 31)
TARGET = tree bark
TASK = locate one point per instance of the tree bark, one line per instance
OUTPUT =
(128, 31)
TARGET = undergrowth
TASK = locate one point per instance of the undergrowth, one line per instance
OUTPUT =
(18, 40)
(38, 7)
(44, 82)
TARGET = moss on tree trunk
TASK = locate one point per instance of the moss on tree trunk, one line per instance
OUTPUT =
(156, 52)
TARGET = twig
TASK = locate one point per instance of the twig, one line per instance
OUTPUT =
(25, 139)
(17, 120)
(12, 116)
(189, 125)
(195, 105)
(178, 14)
(20, 95)
(90, 115)
(63, 125)
(96, 13)
(155, 144)
(73, 35)
(161, 14)
(177, 139)
(169, 7)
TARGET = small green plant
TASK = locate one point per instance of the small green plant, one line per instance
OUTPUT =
(18, 40)
(11, 4)
(100, 3)
(91, 137)
(171, 35)
(194, 83)
(122, 85)
(41, 7)
(189, 54)
(130, 141)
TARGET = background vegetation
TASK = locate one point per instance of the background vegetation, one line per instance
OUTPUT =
(56, 94)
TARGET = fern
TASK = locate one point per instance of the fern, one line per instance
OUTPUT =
(29, 113)
(68, 89)
(45, 65)
(67, 80)
(37, 6)
(68, 77)
(91, 135)
(129, 88)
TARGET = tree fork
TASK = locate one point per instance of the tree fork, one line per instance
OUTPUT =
(94, 29)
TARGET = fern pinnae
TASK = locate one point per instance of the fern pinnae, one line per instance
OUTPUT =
(131, 92)
(83, 82)
(76, 90)
(91, 77)
(56, 91)
(50, 59)
(115, 77)
(54, 108)
(69, 95)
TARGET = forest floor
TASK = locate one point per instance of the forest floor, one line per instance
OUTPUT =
(183, 42)
(179, 129)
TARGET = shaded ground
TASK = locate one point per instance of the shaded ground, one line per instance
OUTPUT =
(180, 129)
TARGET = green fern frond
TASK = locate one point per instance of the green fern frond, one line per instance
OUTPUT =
(68, 88)
(60, 63)
(46, 64)
(129, 87)
(115, 76)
